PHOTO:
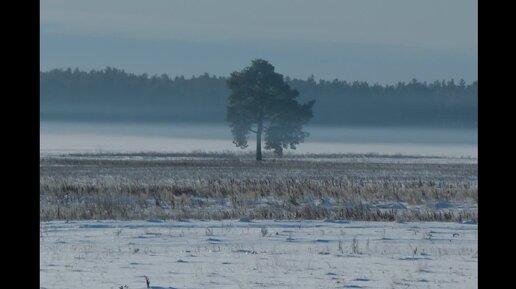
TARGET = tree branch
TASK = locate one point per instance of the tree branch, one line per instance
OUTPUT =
(253, 131)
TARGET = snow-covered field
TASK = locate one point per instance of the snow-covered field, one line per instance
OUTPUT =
(257, 254)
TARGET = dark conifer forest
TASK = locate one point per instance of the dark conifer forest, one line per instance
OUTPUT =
(115, 95)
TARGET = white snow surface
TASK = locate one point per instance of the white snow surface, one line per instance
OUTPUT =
(257, 254)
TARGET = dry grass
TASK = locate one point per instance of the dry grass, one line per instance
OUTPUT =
(220, 186)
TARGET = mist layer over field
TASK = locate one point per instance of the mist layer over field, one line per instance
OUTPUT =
(66, 137)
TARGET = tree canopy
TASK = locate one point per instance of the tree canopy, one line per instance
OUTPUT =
(261, 102)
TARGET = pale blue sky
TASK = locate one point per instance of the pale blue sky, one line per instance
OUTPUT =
(374, 40)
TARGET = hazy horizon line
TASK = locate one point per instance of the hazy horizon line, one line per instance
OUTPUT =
(149, 75)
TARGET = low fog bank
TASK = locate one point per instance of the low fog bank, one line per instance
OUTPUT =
(70, 137)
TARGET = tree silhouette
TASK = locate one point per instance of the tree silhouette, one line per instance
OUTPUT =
(262, 102)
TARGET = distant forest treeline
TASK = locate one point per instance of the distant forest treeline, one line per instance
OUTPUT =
(113, 94)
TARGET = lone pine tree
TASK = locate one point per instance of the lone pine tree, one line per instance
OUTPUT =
(262, 102)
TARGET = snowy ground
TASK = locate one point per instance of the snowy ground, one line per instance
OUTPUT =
(257, 254)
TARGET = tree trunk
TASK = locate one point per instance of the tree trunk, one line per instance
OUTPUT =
(259, 139)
